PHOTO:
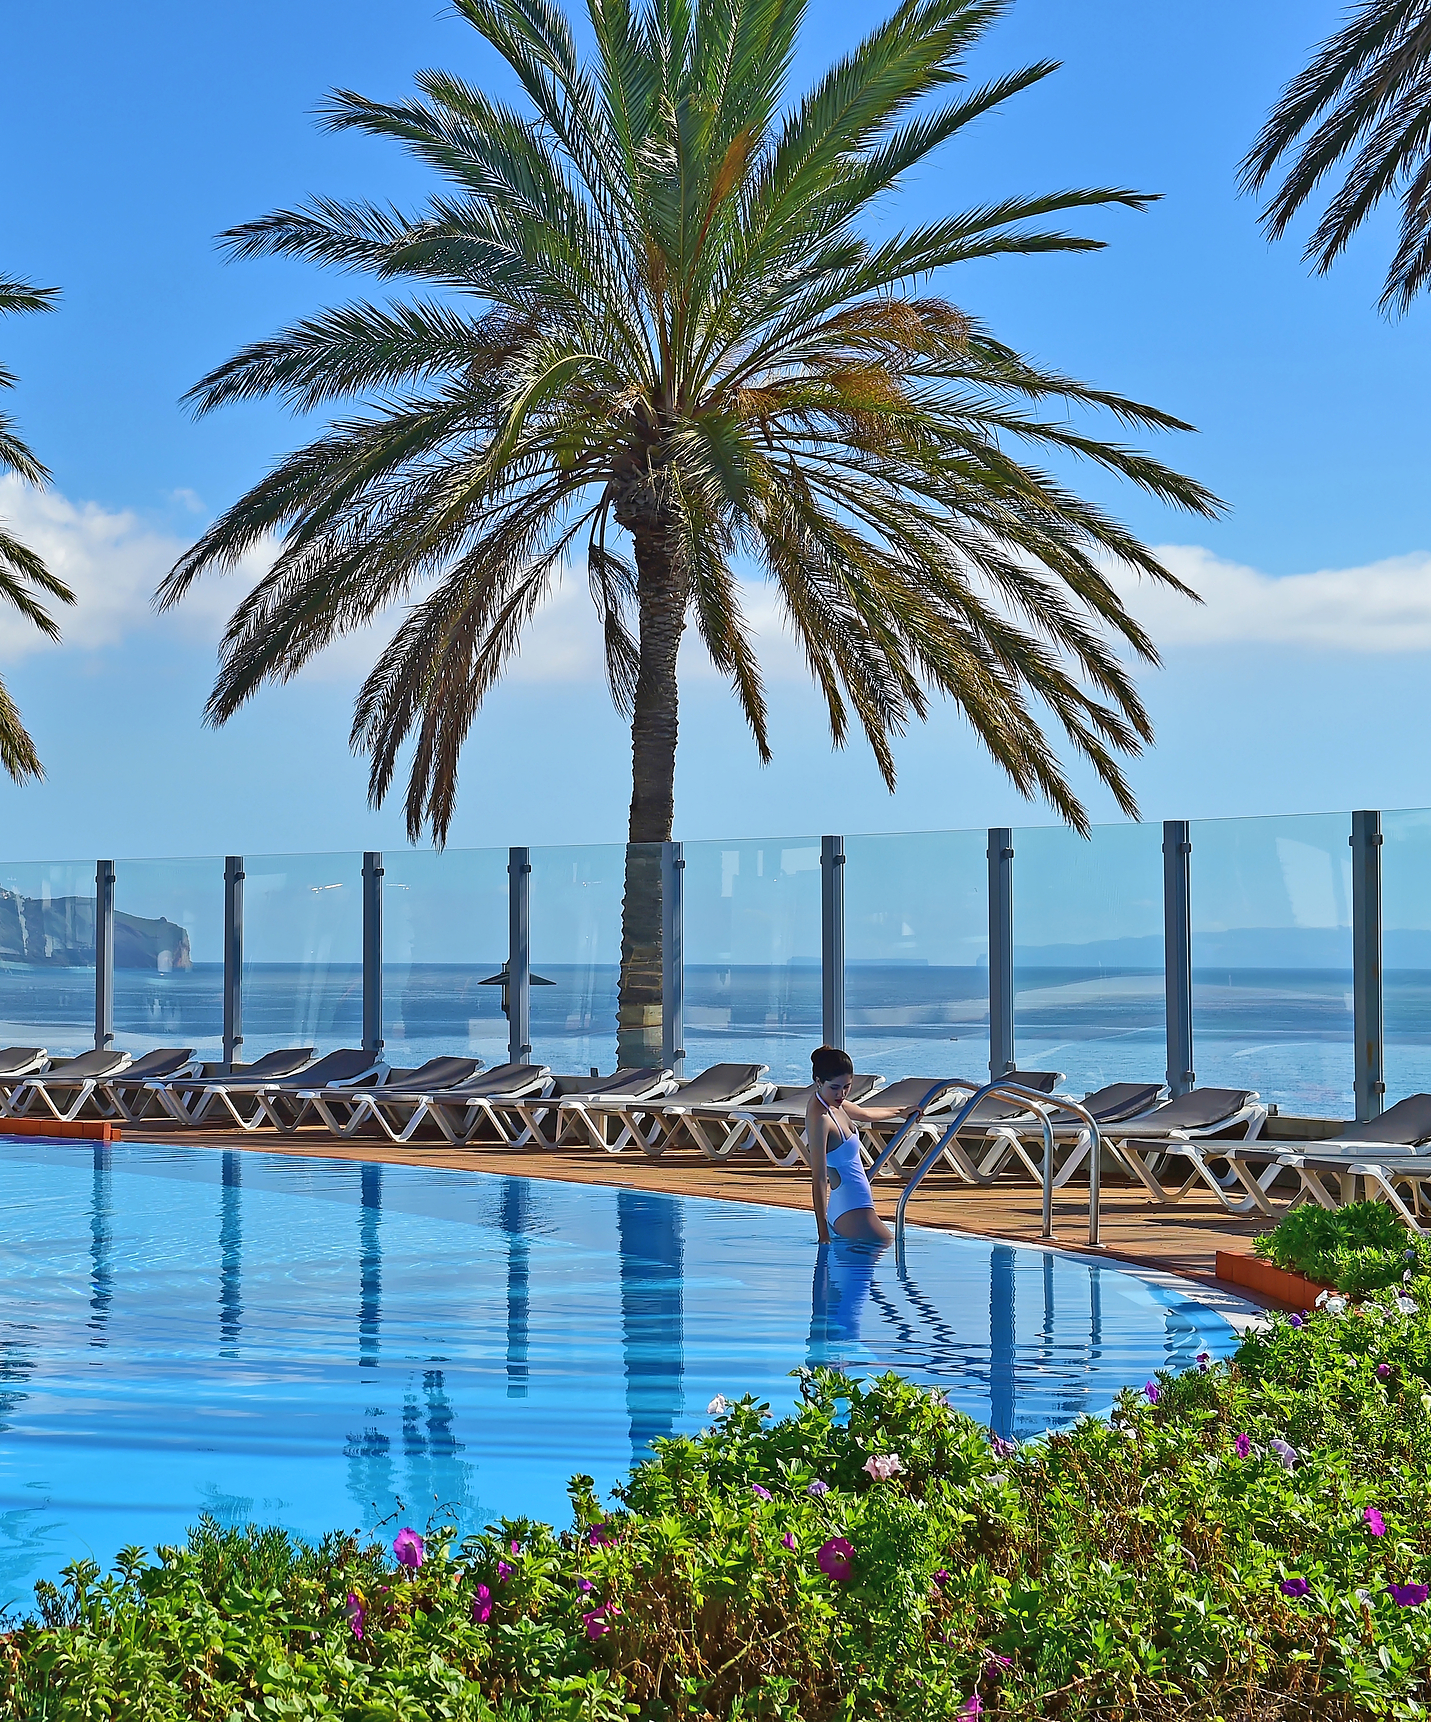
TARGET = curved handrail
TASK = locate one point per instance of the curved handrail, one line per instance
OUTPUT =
(1043, 1106)
(885, 1153)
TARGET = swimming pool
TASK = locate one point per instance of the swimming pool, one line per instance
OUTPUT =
(322, 1343)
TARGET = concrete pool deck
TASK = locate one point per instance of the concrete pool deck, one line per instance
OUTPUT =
(1182, 1240)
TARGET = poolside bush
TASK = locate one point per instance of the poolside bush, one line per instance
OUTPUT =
(1243, 1540)
(1361, 1247)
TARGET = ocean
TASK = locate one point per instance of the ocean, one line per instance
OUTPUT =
(1286, 1033)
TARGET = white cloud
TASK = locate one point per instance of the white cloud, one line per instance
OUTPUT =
(1379, 608)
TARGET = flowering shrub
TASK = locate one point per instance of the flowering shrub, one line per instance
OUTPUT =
(1248, 1542)
(1358, 1248)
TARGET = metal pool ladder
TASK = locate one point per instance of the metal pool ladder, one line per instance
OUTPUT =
(1043, 1106)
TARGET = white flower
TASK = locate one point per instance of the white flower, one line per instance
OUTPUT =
(718, 1406)
(1407, 1305)
(1336, 1305)
(937, 1396)
(1322, 1298)
(883, 1466)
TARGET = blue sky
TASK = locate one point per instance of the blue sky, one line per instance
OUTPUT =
(148, 129)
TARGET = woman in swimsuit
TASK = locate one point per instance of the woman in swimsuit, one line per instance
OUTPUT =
(844, 1202)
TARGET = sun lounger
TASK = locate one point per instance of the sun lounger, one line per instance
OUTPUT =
(460, 1112)
(1117, 1103)
(559, 1118)
(16, 1063)
(958, 1148)
(253, 1102)
(1189, 1127)
(616, 1122)
(344, 1109)
(64, 1089)
(777, 1127)
(1379, 1153)
(188, 1099)
(129, 1095)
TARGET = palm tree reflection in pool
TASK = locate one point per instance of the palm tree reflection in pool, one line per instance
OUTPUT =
(652, 1315)
(101, 1240)
(230, 1255)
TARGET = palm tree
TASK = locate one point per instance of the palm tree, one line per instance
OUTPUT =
(1365, 95)
(22, 573)
(660, 340)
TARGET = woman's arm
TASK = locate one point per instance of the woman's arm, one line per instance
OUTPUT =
(880, 1114)
(819, 1180)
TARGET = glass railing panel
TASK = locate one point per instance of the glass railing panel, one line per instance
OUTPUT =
(1088, 954)
(1406, 951)
(303, 952)
(445, 925)
(169, 955)
(1272, 959)
(576, 896)
(917, 954)
(752, 950)
(47, 955)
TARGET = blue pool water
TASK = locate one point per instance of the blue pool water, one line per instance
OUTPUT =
(324, 1343)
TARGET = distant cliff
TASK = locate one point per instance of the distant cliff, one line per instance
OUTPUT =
(59, 934)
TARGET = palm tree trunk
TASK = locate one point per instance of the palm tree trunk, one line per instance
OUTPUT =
(661, 591)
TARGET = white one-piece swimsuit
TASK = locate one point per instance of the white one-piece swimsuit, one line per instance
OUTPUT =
(854, 1191)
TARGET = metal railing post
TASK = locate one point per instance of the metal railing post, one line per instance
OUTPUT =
(1177, 952)
(1367, 998)
(233, 958)
(832, 940)
(519, 956)
(103, 955)
(1001, 951)
(373, 951)
(673, 958)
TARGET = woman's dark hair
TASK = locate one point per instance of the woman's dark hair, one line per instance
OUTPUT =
(828, 1062)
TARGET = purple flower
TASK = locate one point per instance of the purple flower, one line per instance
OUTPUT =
(971, 1706)
(941, 1578)
(1002, 1449)
(1374, 1522)
(481, 1605)
(597, 1622)
(1153, 1392)
(585, 1585)
(1286, 1453)
(1204, 1360)
(1294, 1587)
(1383, 1370)
(836, 1559)
(1243, 1445)
(817, 1488)
(504, 1572)
(759, 1493)
(409, 1549)
(357, 1614)
(995, 1664)
(516, 1548)
(1299, 1321)
(1408, 1595)
(598, 1535)
(788, 1540)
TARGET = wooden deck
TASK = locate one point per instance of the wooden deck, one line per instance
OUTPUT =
(1180, 1240)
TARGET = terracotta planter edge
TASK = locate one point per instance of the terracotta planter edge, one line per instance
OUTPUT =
(1296, 1291)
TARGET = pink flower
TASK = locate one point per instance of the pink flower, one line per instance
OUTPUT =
(836, 1559)
(972, 1706)
(1243, 1444)
(759, 1493)
(817, 1488)
(597, 1622)
(1294, 1587)
(598, 1535)
(883, 1466)
(357, 1614)
(1408, 1595)
(516, 1549)
(504, 1572)
(1383, 1370)
(788, 1540)
(1374, 1522)
(409, 1549)
(994, 1665)
(1154, 1392)
(481, 1605)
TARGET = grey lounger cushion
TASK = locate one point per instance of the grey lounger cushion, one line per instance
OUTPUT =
(163, 1061)
(1116, 1103)
(84, 1067)
(910, 1090)
(19, 1060)
(721, 1082)
(1404, 1125)
(287, 1061)
(1200, 1109)
(436, 1073)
